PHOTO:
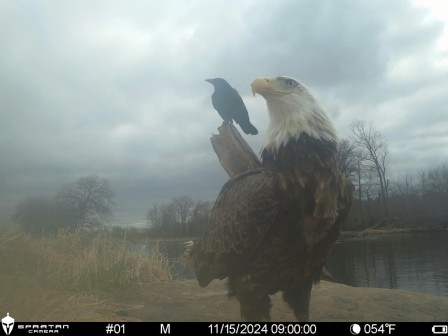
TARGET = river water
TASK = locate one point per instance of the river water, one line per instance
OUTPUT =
(414, 261)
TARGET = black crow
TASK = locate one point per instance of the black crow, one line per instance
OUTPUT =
(229, 104)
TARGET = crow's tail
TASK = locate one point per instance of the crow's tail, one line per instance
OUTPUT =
(248, 128)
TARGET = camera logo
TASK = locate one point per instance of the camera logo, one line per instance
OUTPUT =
(7, 324)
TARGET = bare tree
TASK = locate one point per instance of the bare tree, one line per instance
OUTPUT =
(420, 200)
(182, 216)
(154, 218)
(347, 158)
(184, 207)
(169, 222)
(374, 150)
(438, 179)
(404, 186)
(350, 160)
(91, 197)
(200, 217)
(423, 184)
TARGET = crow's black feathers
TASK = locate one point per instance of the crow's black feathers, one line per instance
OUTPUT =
(230, 106)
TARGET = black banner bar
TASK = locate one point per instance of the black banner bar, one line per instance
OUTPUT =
(228, 328)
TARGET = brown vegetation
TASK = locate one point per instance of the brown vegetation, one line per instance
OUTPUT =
(80, 260)
(41, 280)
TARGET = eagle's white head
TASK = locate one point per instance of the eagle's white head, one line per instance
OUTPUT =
(292, 110)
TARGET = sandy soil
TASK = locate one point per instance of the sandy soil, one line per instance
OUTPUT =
(186, 301)
(27, 300)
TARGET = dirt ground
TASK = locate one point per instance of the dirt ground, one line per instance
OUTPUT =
(186, 301)
(33, 287)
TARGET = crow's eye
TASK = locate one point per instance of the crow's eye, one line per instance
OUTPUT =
(290, 83)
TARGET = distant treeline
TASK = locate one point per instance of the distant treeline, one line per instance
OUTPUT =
(418, 201)
(415, 200)
(183, 216)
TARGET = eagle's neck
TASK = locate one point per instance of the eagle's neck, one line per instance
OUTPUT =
(295, 116)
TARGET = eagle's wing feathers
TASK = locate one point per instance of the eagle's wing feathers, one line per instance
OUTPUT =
(241, 217)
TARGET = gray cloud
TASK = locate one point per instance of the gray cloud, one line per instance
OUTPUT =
(118, 89)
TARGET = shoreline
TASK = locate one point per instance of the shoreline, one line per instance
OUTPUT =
(372, 232)
(186, 301)
(344, 234)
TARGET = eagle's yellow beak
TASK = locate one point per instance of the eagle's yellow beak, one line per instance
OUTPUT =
(266, 85)
(261, 85)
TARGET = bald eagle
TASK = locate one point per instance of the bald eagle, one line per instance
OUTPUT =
(271, 228)
(229, 104)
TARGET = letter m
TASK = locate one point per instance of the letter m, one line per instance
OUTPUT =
(164, 328)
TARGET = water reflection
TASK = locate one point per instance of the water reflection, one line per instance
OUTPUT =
(417, 262)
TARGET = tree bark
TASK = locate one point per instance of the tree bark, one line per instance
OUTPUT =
(234, 153)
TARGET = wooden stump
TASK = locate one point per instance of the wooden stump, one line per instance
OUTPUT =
(233, 151)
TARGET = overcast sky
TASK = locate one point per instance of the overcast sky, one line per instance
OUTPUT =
(116, 88)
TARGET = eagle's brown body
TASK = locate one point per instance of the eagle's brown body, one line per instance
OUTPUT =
(272, 228)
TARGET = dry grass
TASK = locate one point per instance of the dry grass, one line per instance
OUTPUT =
(60, 278)
(78, 261)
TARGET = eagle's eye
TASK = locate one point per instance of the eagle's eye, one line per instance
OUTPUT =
(290, 83)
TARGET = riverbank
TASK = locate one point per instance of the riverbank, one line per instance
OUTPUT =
(135, 237)
(74, 278)
(186, 301)
(372, 232)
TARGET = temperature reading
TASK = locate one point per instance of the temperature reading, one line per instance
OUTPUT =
(390, 326)
(376, 328)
